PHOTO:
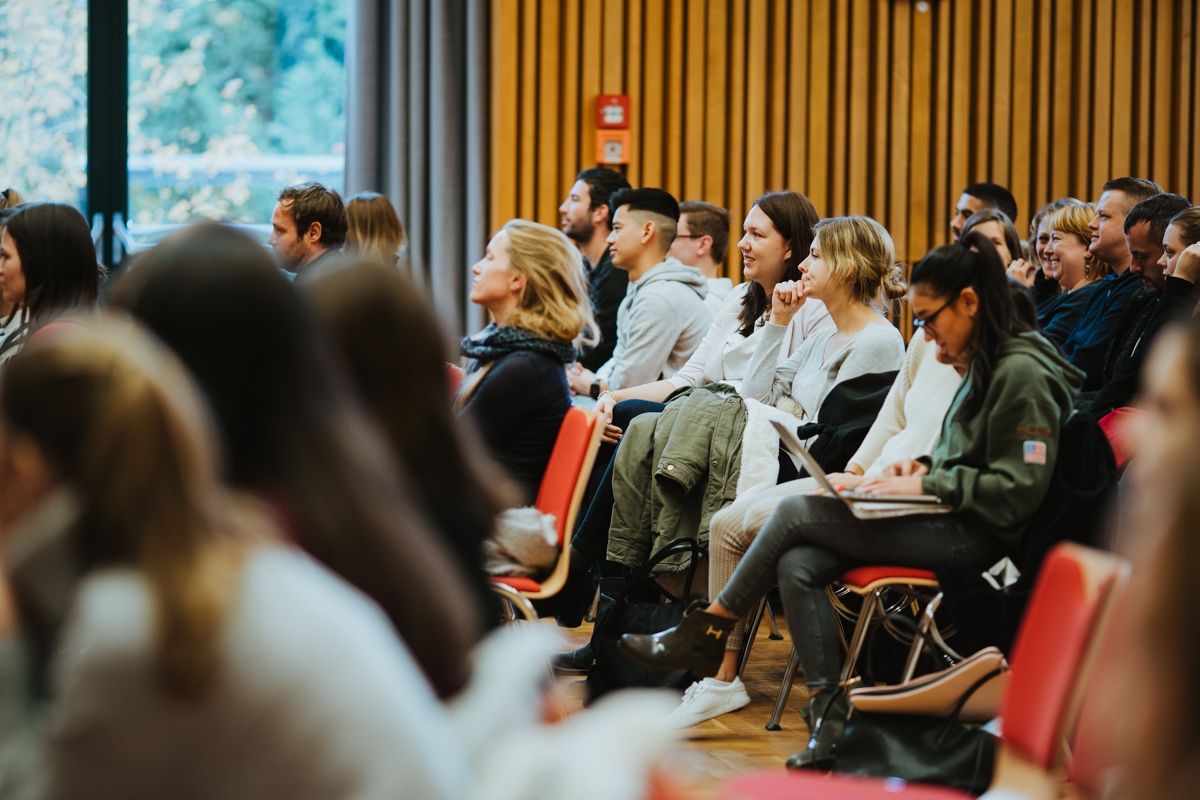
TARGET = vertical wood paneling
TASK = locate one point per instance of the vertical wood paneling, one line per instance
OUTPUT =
(887, 107)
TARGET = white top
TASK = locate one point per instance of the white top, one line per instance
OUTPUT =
(806, 377)
(910, 421)
(316, 698)
(715, 361)
(718, 290)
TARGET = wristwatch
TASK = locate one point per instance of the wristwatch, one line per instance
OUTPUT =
(594, 391)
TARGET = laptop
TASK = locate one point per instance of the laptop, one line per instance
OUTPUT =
(862, 505)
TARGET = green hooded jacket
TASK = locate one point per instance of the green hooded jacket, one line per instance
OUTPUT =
(996, 466)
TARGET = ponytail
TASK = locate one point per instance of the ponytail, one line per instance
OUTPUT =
(973, 262)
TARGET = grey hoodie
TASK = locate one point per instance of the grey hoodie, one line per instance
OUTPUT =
(660, 323)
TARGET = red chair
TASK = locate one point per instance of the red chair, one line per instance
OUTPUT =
(561, 493)
(1115, 426)
(1052, 659)
(869, 583)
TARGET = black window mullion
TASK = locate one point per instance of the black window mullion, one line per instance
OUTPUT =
(108, 117)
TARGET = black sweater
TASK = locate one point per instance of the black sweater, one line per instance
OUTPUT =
(608, 287)
(519, 407)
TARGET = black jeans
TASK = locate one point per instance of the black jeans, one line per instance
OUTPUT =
(809, 542)
(591, 534)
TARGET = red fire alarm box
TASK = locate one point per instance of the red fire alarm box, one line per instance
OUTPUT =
(612, 147)
(612, 111)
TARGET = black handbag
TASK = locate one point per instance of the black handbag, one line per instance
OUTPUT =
(626, 613)
(919, 749)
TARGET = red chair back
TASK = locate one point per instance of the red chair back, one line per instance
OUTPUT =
(562, 477)
(1114, 426)
(1055, 647)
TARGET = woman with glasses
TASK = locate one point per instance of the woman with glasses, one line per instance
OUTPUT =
(992, 464)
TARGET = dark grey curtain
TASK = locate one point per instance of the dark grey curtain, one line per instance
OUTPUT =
(416, 119)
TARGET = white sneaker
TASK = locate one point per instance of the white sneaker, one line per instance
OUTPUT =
(708, 699)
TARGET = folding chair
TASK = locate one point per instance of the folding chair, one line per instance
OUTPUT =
(560, 494)
(1052, 660)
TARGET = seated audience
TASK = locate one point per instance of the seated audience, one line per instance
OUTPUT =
(1088, 342)
(701, 241)
(587, 218)
(295, 435)
(179, 646)
(10, 198)
(779, 232)
(1181, 263)
(48, 272)
(999, 230)
(393, 347)
(1029, 271)
(977, 197)
(308, 228)
(907, 427)
(850, 268)
(374, 231)
(662, 319)
(1068, 265)
(992, 464)
(1145, 228)
(532, 282)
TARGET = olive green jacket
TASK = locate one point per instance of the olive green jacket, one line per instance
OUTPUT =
(673, 471)
(996, 466)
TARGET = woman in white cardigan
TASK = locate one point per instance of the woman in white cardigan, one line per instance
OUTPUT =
(778, 235)
(180, 648)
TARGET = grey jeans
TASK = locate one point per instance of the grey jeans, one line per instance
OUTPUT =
(809, 542)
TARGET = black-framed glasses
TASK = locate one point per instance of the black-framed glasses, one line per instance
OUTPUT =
(921, 323)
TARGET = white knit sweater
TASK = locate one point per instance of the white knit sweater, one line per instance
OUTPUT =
(910, 421)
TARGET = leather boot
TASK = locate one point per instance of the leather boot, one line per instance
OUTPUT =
(826, 717)
(696, 643)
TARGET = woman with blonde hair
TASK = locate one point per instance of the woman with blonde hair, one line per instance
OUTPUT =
(191, 651)
(531, 280)
(375, 232)
(1076, 270)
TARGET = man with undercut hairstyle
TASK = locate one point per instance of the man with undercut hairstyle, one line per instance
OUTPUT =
(1151, 307)
(1087, 346)
(701, 242)
(586, 219)
(662, 319)
(977, 197)
(308, 228)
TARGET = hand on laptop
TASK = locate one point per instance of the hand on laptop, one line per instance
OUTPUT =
(908, 468)
(891, 486)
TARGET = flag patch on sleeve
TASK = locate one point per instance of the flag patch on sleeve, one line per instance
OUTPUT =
(1035, 452)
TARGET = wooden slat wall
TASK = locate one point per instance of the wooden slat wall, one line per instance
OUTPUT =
(880, 107)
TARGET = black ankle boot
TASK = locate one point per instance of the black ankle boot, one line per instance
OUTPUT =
(826, 717)
(577, 662)
(696, 643)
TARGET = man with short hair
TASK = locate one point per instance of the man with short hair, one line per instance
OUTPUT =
(308, 228)
(1150, 308)
(663, 319)
(978, 196)
(587, 219)
(1087, 346)
(701, 242)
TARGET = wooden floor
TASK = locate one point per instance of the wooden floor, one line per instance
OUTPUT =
(731, 744)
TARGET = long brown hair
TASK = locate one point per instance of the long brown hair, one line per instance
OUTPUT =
(794, 216)
(395, 352)
(122, 423)
(375, 232)
(297, 435)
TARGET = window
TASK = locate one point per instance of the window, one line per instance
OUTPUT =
(43, 99)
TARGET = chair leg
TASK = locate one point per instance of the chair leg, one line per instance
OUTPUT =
(751, 633)
(785, 689)
(860, 634)
(776, 636)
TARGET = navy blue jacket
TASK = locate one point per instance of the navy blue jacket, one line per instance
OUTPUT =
(1058, 315)
(1087, 345)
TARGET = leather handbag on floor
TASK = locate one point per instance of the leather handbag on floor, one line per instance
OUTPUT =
(916, 748)
(626, 613)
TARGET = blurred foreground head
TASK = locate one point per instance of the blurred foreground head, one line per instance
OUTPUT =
(295, 434)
